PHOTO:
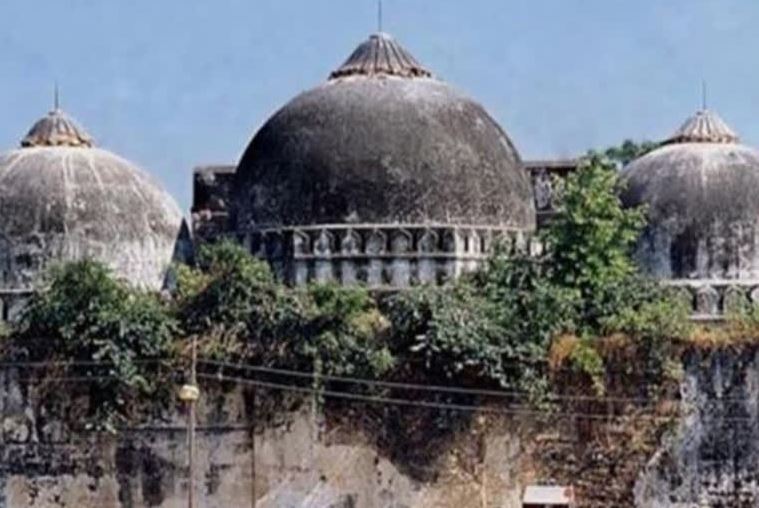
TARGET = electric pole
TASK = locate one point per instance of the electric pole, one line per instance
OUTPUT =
(189, 394)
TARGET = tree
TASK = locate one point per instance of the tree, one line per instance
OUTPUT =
(589, 241)
(628, 151)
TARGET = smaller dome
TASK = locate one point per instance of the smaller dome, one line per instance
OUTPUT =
(699, 189)
(63, 199)
(56, 129)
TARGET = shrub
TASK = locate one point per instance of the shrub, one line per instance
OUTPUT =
(346, 334)
(234, 304)
(116, 334)
(456, 335)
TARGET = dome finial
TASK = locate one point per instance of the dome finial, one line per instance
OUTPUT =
(703, 127)
(56, 102)
(703, 95)
(56, 129)
(379, 16)
(381, 55)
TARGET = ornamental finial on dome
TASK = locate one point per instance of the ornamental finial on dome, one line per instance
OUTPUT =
(380, 55)
(703, 127)
(56, 129)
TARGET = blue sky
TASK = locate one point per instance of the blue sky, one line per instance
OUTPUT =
(172, 84)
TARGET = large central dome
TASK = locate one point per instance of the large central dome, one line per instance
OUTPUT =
(382, 142)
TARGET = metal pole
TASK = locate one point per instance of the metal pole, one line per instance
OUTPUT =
(189, 393)
(191, 425)
(254, 496)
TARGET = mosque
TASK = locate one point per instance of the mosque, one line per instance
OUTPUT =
(383, 175)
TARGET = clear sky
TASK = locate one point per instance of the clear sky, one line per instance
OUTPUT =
(171, 84)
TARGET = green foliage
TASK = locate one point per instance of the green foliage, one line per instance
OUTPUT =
(650, 314)
(745, 316)
(473, 335)
(236, 308)
(590, 240)
(533, 308)
(234, 303)
(628, 151)
(230, 289)
(448, 333)
(189, 282)
(345, 333)
(588, 250)
(585, 358)
(84, 315)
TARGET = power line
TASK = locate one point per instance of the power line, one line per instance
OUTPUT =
(520, 411)
(428, 404)
(345, 379)
(455, 407)
(76, 363)
(74, 379)
(427, 388)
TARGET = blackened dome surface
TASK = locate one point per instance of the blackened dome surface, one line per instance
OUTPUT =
(700, 189)
(62, 202)
(382, 142)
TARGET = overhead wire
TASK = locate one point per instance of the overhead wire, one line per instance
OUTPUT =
(422, 403)
(421, 387)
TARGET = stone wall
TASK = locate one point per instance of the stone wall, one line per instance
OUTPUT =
(615, 452)
(45, 465)
(712, 459)
(11, 303)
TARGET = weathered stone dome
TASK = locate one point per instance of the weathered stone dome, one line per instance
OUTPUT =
(700, 187)
(382, 141)
(62, 199)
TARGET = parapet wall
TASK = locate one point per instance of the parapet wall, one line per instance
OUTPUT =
(391, 256)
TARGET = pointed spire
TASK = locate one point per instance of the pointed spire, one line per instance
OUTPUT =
(56, 129)
(704, 127)
(56, 102)
(381, 55)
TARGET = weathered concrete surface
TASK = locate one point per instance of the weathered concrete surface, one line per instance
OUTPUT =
(713, 458)
(382, 146)
(708, 458)
(44, 465)
(702, 212)
(65, 203)
(301, 474)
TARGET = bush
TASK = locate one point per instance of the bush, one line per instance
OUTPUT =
(459, 335)
(346, 334)
(530, 305)
(119, 336)
(234, 304)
